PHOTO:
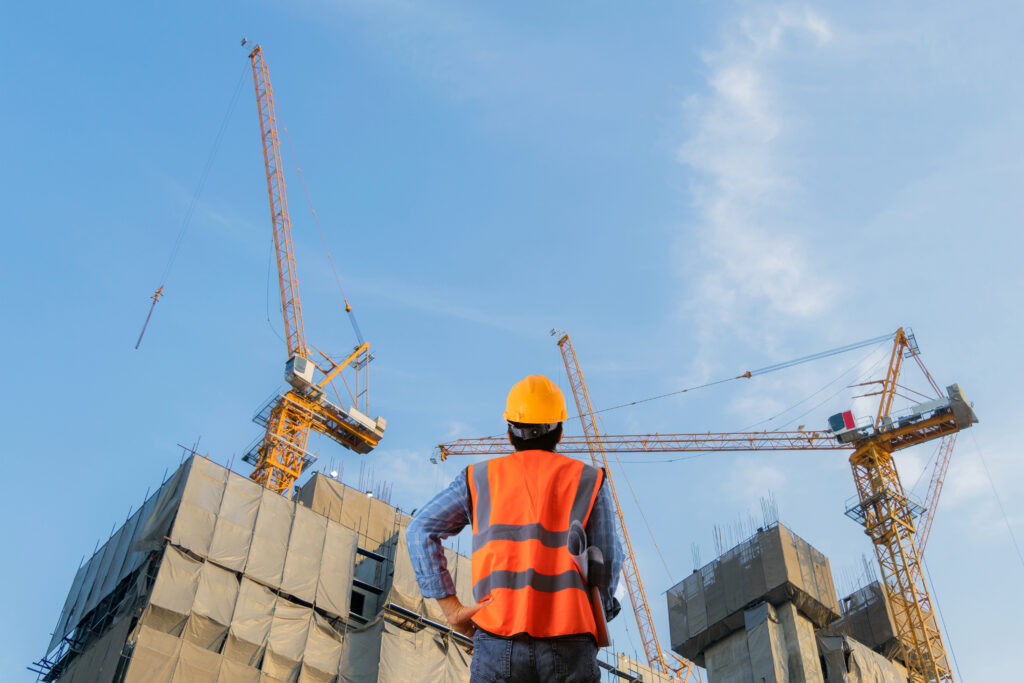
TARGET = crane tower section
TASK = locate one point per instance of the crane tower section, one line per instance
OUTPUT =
(281, 456)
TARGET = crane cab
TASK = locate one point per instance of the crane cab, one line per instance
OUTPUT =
(298, 372)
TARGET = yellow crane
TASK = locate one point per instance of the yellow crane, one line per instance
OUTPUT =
(281, 455)
(888, 515)
(630, 571)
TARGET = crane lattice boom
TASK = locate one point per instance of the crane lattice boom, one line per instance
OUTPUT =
(630, 571)
(280, 458)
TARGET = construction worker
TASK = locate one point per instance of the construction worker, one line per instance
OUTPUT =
(545, 557)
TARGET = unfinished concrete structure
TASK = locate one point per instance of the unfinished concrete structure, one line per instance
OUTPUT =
(755, 614)
(215, 579)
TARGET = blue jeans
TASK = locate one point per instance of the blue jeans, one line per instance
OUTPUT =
(570, 659)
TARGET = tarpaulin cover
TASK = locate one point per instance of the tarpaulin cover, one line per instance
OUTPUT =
(405, 592)
(411, 656)
(161, 658)
(214, 604)
(99, 661)
(232, 534)
(270, 539)
(801, 645)
(334, 587)
(361, 652)
(729, 660)
(322, 653)
(289, 631)
(305, 549)
(200, 502)
(154, 657)
(775, 566)
(766, 646)
(231, 520)
(385, 652)
(868, 619)
(847, 661)
(174, 592)
(250, 623)
(375, 520)
(120, 556)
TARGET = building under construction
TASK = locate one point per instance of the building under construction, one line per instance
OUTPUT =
(766, 610)
(215, 578)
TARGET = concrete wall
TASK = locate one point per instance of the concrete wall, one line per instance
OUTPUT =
(775, 566)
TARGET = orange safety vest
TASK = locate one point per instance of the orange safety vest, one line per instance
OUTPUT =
(522, 506)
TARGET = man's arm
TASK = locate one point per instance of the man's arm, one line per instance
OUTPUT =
(601, 533)
(445, 515)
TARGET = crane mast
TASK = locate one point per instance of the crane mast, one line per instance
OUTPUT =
(281, 456)
(630, 572)
(888, 517)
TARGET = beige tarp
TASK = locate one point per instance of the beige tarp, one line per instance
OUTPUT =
(154, 657)
(161, 658)
(200, 503)
(385, 652)
(289, 631)
(250, 623)
(405, 592)
(214, 604)
(99, 661)
(375, 520)
(322, 653)
(232, 534)
(270, 539)
(174, 592)
(411, 656)
(360, 654)
(334, 588)
(305, 549)
(120, 556)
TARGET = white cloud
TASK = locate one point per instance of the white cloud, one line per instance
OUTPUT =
(750, 479)
(746, 257)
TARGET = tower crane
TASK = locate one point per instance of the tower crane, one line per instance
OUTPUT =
(883, 508)
(280, 457)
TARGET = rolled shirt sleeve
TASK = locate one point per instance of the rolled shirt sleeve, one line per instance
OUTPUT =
(444, 516)
(601, 533)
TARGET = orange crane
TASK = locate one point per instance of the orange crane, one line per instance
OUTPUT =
(281, 455)
(883, 508)
(630, 571)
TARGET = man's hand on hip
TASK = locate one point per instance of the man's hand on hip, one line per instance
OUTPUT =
(459, 615)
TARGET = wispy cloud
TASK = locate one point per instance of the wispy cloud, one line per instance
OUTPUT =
(746, 258)
(750, 478)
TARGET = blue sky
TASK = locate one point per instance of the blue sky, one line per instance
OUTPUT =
(690, 189)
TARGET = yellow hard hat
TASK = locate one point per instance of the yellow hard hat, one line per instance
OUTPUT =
(535, 400)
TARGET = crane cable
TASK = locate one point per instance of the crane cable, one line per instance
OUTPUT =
(999, 501)
(192, 204)
(809, 410)
(761, 371)
(323, 240)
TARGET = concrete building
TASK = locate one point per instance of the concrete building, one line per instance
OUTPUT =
(760, 614)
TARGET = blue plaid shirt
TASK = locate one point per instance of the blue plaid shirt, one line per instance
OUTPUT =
(448, 513)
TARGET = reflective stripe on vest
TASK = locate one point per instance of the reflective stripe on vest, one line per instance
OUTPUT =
(522, 506)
